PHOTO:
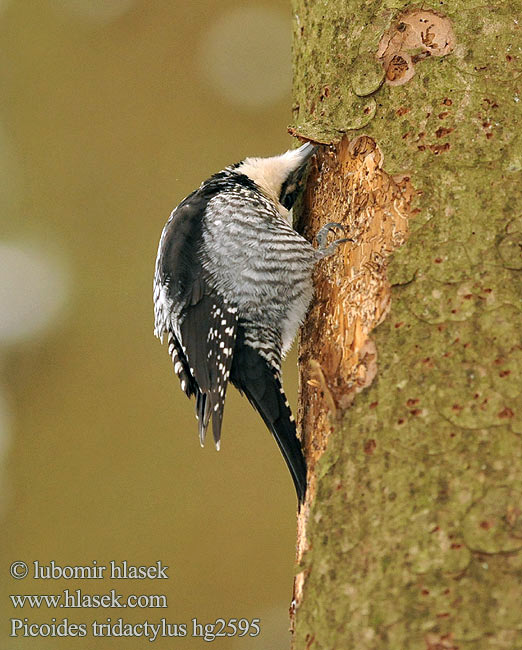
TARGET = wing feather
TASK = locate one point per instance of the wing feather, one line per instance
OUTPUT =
(201, 324)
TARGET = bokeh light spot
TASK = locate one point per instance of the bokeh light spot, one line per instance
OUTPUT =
(33, 289)
(245, 56)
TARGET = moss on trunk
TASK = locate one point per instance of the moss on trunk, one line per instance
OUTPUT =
(412, 536)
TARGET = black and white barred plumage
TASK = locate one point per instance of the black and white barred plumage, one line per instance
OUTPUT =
(231, 287)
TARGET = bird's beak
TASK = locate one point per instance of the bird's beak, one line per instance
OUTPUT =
(305, 152)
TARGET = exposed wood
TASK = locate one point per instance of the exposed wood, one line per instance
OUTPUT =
(411, 356)
(352, 293)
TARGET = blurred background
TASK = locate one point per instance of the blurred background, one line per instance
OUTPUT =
(112, 111)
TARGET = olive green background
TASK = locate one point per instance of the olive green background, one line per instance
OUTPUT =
(109, 124)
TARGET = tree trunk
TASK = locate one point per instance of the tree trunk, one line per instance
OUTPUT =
(411, 536)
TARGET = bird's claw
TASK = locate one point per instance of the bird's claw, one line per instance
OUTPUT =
(322, 237)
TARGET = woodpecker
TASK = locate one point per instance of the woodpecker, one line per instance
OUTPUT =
(232, 284)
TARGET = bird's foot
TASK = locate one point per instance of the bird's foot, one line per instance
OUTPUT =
(326, 249)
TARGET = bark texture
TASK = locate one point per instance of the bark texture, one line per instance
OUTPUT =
(410, 398)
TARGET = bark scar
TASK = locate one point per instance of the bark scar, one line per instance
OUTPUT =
(415, 36)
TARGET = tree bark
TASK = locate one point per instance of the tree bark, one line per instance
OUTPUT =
(410, 364)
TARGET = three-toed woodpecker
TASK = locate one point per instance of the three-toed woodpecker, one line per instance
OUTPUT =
(233, 283)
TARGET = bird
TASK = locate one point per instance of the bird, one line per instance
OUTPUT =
(232, 284)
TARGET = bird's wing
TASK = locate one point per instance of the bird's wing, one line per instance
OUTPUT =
(200, 322)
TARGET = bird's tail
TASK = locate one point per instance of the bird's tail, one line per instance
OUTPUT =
(261, 384)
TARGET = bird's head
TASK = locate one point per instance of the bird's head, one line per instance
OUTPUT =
(279, 177)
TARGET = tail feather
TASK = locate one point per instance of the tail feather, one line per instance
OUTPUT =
(284, 431)
(203, 414)
(261, 384)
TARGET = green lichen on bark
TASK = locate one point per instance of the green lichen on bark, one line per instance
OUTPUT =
(416, 531)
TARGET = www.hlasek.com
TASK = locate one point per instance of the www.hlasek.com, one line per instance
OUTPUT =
(76, 598)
